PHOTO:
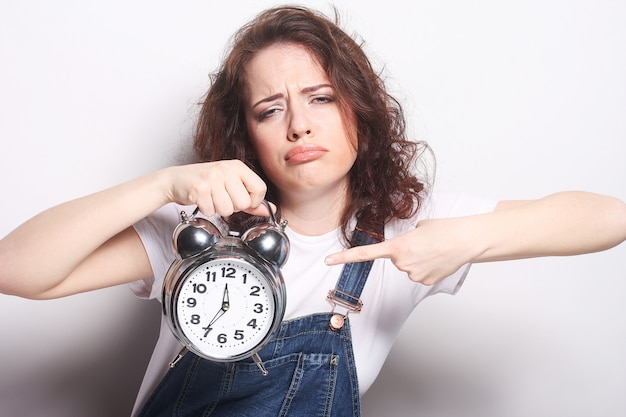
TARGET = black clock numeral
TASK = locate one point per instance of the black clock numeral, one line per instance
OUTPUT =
(245, 278)
(210, 276)
(207, 330)
(228, 272)
(252, 323)
(199, 288)
(255, 291)
(195, 319)
(238, 334)
(221, 338)
(258, 308)
(191, 302)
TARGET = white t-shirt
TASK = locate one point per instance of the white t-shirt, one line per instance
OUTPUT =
(388, 297)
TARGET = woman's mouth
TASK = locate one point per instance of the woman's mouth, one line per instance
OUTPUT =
(305, 153)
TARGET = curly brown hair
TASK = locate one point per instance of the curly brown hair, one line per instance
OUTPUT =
(382, 182)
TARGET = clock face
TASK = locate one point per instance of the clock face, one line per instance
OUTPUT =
(225, 308)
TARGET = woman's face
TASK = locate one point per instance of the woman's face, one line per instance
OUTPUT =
(295, 123)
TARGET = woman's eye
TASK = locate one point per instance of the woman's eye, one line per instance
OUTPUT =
(267, 113)
(322, 99)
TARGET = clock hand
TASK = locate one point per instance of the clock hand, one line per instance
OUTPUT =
(225, 301)
(220, 312)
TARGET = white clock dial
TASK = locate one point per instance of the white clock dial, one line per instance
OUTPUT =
(225, 307)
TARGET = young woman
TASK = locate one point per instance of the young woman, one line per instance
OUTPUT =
(296, 115)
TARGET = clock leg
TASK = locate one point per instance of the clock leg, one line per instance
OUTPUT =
(178, 357)
(257, 359)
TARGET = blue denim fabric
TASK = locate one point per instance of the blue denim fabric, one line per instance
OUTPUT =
(311, 372)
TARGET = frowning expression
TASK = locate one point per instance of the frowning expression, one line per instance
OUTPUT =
(295, 122)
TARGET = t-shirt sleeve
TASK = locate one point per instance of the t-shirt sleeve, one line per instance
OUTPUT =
(155, 232)
(449, 204)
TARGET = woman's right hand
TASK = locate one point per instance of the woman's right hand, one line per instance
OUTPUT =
(221, 187)
(84, 237)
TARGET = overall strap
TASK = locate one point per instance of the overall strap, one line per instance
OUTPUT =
(347, 291)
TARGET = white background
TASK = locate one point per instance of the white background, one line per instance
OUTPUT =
(518, 100)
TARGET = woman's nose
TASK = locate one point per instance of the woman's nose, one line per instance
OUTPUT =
(299, 124)
(295, 135)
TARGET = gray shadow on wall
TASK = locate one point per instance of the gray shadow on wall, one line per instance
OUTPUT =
(93, 383)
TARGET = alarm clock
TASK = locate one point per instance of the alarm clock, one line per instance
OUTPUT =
(224, 296)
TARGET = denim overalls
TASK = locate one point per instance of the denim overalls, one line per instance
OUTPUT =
(311, 369)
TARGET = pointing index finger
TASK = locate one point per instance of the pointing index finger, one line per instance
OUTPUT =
(359, 254)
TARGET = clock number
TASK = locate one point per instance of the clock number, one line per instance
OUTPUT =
(228, 272)
(221, 338)
(210, 276)
(255, 291)
(258, 308)
(252, 323)
(238, 334)
(191, 302)
(207, 330)
(195, 319)
(199, 288)
(245, 278)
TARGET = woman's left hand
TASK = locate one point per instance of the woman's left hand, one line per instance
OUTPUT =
(567, 223)
(435, 249)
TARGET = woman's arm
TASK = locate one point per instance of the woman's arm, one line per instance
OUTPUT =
(89, 243)
(567, 223)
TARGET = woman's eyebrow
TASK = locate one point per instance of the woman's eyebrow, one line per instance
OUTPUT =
(266, 99)
(315, 88)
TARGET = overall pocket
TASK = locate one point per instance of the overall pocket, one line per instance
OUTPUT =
(298, 385)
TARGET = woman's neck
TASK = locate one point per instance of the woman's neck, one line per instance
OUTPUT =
(313, 216)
